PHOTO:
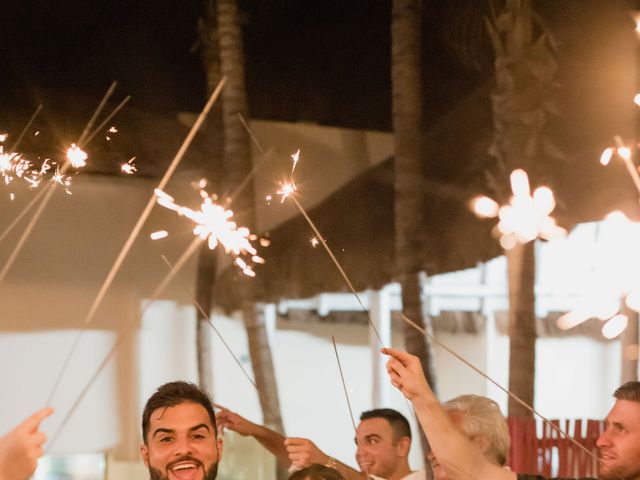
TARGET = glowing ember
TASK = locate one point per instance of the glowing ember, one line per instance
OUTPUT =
(214, 224)
(315, 242)
(286, 189)
(112, 130)
(526, 217)
(3, 136)
(129, 168)
(76, 156)
(605, 158)
(159, 234)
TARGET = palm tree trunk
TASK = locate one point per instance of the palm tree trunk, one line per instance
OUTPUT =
(205, 278)
(406, 68)
(237, 162)
(522, 326)
(525, 69)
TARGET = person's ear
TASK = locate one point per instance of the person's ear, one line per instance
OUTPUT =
(482, 442)
(403, 447)
(219, 446)
(144, 454)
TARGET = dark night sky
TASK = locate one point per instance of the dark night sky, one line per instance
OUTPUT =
(320, 61)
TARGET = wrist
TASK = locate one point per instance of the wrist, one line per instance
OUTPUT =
(331, 462)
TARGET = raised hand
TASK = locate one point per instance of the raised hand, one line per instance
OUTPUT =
(406, 373)
(21, 447)
(303, 452)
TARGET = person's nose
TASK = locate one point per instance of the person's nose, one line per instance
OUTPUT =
(182, 447)
(604, 440)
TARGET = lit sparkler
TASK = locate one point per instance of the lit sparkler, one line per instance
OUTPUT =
(288, 187)
(526, 217)
(129, 168)
(76, 156)
(214, 224)
(615, 280)
(625, 154)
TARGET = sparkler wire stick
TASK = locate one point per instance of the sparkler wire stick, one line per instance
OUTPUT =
(207, 316)
(344, 384)
(24, 211)
(26, 127)
(191, 249)
(138, 226)
(437, 342)
(505, 390)
(338, 266)
(30, 226)
(93, 118)
(106, 120)
(25, 235)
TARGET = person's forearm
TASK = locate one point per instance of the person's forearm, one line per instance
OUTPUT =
(274, 442)
(454, 451)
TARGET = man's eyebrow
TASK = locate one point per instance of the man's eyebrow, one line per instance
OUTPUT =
(199, 426)
(163, 430)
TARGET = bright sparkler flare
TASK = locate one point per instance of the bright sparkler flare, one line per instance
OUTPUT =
(214, 224)
(615, 279)
(315, 242)
(286, 189)
(526, 217)
(159, 234)
(636, 99)
(76, 156)
(606, 156)
(129, 168)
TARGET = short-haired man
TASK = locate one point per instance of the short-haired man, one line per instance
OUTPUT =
(179, 434)
(618, 445)
(21, 448)
(383, 440)
(481, 421)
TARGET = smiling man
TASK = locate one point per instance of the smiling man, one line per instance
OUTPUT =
(618, 445)
(179, 434)
(383, 441)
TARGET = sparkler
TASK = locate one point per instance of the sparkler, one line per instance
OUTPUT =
(525, 217)
(129, 168)
(519, 189)
(615, 279)
(214, 224)
(344, 384)
(624, 153)
(138, 227)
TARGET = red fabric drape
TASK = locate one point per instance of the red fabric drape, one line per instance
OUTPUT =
(550, 454)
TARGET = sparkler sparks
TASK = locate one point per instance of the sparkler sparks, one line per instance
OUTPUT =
(526, 217)
(159, 234)
(614, 279)
(214, 224)
(129, 168)
(76, 156)
(314, 242)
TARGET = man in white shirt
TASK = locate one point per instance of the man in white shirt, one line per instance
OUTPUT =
(383, 440)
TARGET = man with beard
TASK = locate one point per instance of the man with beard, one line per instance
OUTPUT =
(180, 435)
(618, 445)
(383, 441)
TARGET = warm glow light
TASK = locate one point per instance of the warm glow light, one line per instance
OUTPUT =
(129, 168)
(605, 158)
(159, 234)
(520, 183)
(615, 326)
(315, 242)
(544, 201)
(624, 152)
(636, 99)
(76, 156)
(214, 224)
(485, 207)
(572, 319)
